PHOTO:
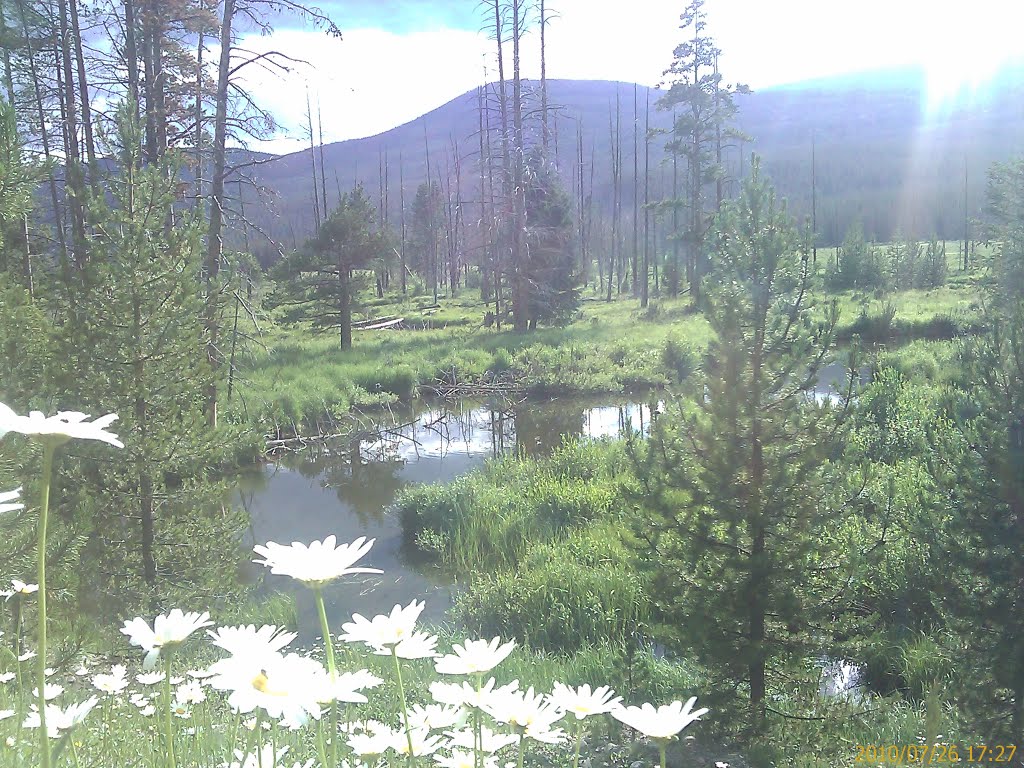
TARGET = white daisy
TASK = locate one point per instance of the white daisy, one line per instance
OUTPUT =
(286, 687)
(58, 719)
(249, 640)
(460, 759)
(169, 631)
(490, 742)
(318, 563)
(528, 713)
(50, 691)
(113, 683)
(190, 693)
(59, 429)
(474, 657)
(662, 723)
(418, 645)
(383, 631)
(466, 695)
(21, 588)
(583, 702)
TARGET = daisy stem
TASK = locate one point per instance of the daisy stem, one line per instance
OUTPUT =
(331, 669)
(257, 720)
(478, 737)
(106, 725)
(44, 512)
(661, 746)
(234, 731)
(167, 703)
(322, 610)
(522, 746)
(579, 743)
(17, 639)
(320, 748)
(405, 707)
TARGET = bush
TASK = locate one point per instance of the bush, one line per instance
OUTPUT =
(678, 359)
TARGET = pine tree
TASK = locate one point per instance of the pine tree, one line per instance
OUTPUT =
(425, 233)
(736, 487)
(933, 268)
(318, 281)
(703, 110)
(141, 354)
(984, 470)
(553, 268)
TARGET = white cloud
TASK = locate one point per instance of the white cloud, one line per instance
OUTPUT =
(374, 80)
(368, 83)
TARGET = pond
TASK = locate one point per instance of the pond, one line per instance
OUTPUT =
(346, 488)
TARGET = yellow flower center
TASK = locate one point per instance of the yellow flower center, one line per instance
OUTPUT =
(262, 684)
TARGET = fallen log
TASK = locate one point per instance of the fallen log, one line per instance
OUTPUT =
(374, 321)
(381, 325)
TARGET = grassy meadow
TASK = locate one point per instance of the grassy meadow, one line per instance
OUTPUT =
(295, 382)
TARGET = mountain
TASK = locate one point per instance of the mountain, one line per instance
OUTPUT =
(880, 157)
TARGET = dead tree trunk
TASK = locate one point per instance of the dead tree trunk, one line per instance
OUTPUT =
(636, 194)
(646, 268)
(215, 242)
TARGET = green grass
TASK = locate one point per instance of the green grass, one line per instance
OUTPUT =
(303, 383)
(538, 545)
(300, 383)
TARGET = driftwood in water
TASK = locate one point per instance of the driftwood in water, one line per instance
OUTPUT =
(467, 389)
(354, 433)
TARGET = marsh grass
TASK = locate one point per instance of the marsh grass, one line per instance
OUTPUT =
(301, 383)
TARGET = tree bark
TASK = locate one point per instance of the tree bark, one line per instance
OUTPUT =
(401, 202)
(215, 243)
(344, 307)
(5, 51)
(74, 183)
(636, 194)
(83, 95)
(199, 118)
(522, 287)
(312, 160)
(45, 136)
(543, 80)
(645, 281)
(131, 52)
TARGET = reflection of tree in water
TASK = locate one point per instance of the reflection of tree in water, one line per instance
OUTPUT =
(364, 478)
(366, 487)
(541, 427)
(502, 425)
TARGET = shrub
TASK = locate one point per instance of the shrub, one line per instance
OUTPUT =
(678, 359)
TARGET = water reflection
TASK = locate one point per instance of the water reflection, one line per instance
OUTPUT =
(346, 487)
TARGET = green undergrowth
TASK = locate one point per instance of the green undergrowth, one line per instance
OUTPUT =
(549, 562)
(297, 382)
(300, 383)
(539, 544)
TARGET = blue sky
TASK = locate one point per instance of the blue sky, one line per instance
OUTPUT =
(403, 16)
(401, 58)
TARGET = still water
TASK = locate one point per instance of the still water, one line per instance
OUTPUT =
(346, 488)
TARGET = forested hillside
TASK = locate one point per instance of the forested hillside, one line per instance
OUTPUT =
(879, 157)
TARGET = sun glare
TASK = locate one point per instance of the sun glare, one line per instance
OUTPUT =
(961, 53)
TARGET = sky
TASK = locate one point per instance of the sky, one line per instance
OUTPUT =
(399, 59)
